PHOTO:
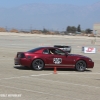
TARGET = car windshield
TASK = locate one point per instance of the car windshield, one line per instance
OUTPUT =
(34, 50)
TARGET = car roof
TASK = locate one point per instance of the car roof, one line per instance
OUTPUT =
(39, 48)
(48, 47)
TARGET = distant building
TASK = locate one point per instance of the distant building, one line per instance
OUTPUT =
(96, 28)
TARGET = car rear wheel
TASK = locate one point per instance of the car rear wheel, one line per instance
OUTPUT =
(38, 64)
(80, 66)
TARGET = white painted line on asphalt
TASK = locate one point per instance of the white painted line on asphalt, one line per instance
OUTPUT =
(30, 76)
(13, 78)
(82, 85)
(42, 74)
(24, 76)
(78, 74)
(27, 90)
(81, 73)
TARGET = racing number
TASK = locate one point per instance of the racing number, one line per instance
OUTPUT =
(57, 60)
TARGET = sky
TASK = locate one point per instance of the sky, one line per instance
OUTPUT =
(15, 3)
(22, 20)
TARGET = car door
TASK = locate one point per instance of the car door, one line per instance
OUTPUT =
(59, 59)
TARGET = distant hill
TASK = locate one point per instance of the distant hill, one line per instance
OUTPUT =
(50, 16)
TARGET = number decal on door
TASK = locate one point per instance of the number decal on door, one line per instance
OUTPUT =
(57, 60)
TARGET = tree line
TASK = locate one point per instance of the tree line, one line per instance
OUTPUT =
(73, 29)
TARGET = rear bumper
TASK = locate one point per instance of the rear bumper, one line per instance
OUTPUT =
(17, 61)
(22, 61)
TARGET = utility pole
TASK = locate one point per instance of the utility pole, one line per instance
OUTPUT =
(95, 35)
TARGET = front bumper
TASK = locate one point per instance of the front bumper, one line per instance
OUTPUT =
(91, 64)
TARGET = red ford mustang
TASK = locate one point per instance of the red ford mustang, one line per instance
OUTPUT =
(50, 57)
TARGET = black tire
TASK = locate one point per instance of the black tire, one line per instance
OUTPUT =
(80, 66)
(37, 64)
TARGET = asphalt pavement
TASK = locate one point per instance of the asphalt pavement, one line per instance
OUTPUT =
(20, 83)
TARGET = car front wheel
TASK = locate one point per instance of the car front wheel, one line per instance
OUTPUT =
(80, 66)
(37, 64)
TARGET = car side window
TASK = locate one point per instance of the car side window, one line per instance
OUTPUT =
(51, 51)
(59, 52)
(46, 51)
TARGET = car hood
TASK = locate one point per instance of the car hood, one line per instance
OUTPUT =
(77, 55)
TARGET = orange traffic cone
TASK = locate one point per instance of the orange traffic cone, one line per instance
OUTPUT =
(55, 70)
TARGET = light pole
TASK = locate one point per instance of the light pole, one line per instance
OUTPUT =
(95, 35)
